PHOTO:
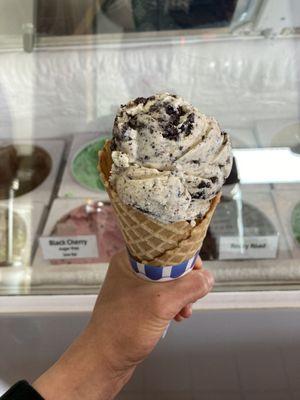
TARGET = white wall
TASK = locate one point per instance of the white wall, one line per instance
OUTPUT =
(49, 93)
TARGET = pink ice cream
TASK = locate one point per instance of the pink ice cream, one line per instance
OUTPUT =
(92, 219)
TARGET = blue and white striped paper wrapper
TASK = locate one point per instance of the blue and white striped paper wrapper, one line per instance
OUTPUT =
(164, 273)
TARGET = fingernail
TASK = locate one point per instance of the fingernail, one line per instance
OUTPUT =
(210, 278)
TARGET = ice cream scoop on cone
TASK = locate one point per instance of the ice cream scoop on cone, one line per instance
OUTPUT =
(153, 243)
(163, 172)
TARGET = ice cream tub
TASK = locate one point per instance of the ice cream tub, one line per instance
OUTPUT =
(79, 231)
(80, 179)
(33, 166)
(18, 229)
(287, 203)
(245, 226)
(278, 133)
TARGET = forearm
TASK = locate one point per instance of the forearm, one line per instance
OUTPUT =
(82, 373)
(129, 318)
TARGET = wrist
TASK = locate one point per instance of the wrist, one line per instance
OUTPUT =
(82, 372)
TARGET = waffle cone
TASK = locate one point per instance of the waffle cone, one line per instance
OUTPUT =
(148, 240)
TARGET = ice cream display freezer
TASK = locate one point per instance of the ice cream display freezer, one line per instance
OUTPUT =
(58, 101)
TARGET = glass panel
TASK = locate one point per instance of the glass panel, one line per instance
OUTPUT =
(65, 68)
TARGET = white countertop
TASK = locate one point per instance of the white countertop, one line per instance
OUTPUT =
(214, 301)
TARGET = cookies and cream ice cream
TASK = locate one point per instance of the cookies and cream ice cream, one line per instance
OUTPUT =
(169, 159)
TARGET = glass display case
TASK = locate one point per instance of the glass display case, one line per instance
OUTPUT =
(66, 66)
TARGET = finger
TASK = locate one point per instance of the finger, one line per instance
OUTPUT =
(198, 263)
(209, 276)
(178, 318)
(191, 287)
(186, 311)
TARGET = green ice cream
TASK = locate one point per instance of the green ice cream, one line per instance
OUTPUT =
(84, 166)
(296, 222)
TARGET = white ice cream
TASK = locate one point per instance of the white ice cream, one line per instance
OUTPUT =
(169, 160)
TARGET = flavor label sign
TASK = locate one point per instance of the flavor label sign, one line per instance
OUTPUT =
(247, 247)
(62, 247)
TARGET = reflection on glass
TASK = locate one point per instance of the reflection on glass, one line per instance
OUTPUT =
(288, 136)
(159, 15)
(68, 17)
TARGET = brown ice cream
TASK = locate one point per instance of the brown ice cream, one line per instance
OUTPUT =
(30, 165)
